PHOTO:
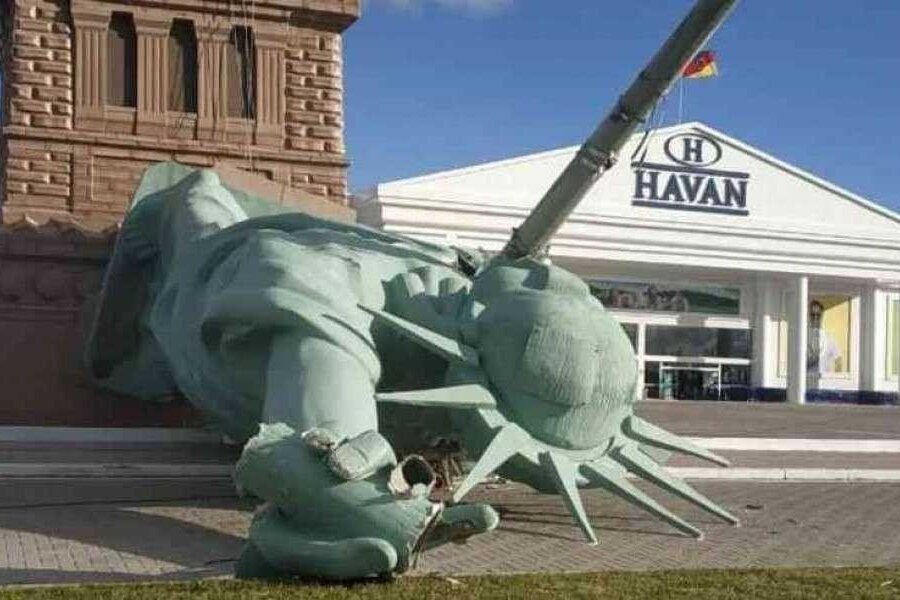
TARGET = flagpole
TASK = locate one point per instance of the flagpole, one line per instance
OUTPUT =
(680, 100)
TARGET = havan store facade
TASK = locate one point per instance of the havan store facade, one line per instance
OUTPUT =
(736, 276)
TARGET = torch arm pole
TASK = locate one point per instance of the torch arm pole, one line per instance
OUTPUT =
(598, 152)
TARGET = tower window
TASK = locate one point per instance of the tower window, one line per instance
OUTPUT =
(182, 67)
(122, 58)
(241, 74)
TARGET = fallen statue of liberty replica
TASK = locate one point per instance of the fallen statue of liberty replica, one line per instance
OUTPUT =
(288, 330)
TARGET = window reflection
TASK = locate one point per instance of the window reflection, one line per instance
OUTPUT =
(668, 340)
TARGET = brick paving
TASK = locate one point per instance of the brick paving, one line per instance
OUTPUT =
(750, 419)
(57, 531)
(783, 525)
(64, 530)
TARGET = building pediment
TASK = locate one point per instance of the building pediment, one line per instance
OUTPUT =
(682, 195)
(689, 174)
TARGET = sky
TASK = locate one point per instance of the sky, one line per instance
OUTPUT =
(432, 85)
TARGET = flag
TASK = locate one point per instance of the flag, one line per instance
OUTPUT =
(702, 65)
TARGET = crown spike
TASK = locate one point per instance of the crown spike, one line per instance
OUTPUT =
(565, 475)
(503, 446)
(605, 473)
(471, 395)
(446, 347)
(645, 467)
(646, 433)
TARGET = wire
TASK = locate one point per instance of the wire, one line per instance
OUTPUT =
(654, 122)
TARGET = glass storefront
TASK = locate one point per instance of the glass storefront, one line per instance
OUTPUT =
(695, 342)
(670, 340)
(699, 363)
(696, 381)
(683, 361)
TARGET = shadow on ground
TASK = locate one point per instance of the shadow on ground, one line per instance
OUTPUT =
(180, 530)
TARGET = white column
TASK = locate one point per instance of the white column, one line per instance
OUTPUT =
(640, 348)
(869, 362)
(765, 344)
(797, 339)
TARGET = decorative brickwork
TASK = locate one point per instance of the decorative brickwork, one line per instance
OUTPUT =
(69, 153)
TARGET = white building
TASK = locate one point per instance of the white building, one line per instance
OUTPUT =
(736, 275)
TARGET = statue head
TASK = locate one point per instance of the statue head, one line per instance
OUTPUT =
(559, 364)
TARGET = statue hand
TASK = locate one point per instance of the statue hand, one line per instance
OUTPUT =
(326, 523)
(278, 547)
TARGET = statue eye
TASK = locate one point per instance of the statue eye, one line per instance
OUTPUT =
(560, 367)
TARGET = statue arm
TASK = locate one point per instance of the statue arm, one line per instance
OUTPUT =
(313, 383)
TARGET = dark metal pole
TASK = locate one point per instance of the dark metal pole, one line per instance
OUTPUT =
(598, 152)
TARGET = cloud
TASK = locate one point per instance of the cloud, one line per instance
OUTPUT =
(480, 7)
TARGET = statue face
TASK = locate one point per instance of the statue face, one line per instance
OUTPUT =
(561, 366)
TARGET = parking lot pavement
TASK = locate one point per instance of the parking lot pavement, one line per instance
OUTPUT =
(754, 419)
(62, 531)
(783, 525)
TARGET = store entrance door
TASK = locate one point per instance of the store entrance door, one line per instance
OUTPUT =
(679, 381)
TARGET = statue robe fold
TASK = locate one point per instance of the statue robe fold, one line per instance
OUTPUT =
(204, 277)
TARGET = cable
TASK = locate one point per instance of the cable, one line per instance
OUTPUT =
(654, 122)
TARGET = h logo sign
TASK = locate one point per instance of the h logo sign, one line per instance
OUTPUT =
(692, 151)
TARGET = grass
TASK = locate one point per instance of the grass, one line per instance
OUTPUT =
(696, 585)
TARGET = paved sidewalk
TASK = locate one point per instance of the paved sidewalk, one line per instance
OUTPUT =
(60, 531)
(751, 419)
(101, 528)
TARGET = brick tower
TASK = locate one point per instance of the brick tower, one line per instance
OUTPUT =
(96, 90)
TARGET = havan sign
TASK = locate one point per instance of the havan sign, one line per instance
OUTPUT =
(690, 183)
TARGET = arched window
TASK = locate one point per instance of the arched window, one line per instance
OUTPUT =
(241, 74)
(182, 67)
(121, 44)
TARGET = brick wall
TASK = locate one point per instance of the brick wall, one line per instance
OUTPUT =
(39, 90)
(41, 67)
(314, 119)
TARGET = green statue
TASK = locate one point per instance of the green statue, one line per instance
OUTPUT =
(288, 330)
